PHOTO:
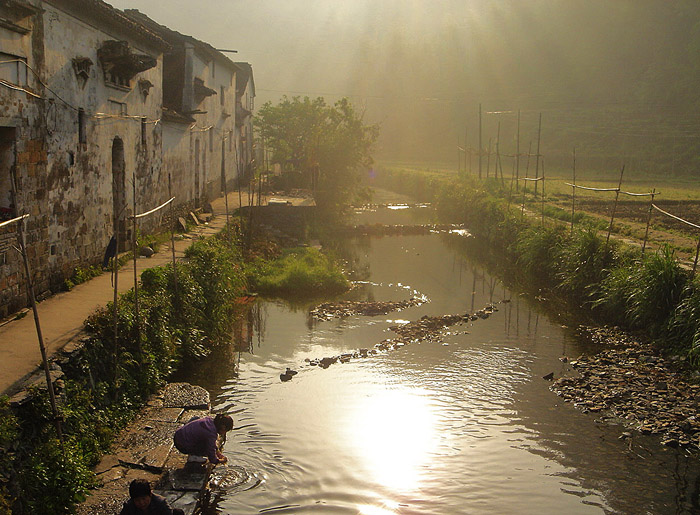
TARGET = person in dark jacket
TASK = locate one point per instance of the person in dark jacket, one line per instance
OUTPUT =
(143, 501)
(199, 437)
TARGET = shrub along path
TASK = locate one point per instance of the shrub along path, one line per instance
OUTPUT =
(62, 316)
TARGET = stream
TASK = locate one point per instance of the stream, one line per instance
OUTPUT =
(460, 424)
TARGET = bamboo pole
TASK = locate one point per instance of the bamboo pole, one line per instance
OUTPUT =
(134, 250)
(617, 195)
(225, 185)
(459, 157)
(573, 194)
(32, 301)
(651, 208)
(697, 251)
(542, 192)
(517, 156)
(499, 166)
(172, 235)
(488, 159)
(115, 305)
(527, 165)
(480, 142)
(466, 145)
(537, 159)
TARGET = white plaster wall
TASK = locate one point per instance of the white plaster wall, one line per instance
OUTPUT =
(80, 195)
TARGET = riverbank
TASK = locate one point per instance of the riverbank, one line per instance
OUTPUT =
(650, 387)
(180, 315)
(630, 383)
(144, 450)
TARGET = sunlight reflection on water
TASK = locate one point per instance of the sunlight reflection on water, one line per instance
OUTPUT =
(394, 433)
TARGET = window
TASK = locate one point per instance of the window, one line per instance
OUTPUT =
(82, 135)
(211, 140)
(117, 107)
(222, 93)
(13, 69)
(143, 131)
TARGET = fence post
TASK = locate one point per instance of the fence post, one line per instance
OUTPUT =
(480, 144)
(517, 156)
(697, 251)
(32, 300)
(617, 195)
(172, 235)
(137, 312)
(115, 308)
(651, 208)
(488, 159)
(537, 159)
(542, 192)
(573, 195)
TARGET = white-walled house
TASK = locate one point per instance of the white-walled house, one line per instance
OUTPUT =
(199, 115)
(80, 131)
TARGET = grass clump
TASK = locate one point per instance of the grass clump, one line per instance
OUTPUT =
(301, 271)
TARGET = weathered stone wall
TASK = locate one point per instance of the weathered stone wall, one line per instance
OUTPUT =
(24, 152)
(79, 181)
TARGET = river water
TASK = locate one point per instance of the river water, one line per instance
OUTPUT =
(465, 424)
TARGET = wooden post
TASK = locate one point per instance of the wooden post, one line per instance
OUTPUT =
(488, 159)
(517, 156)
(466, 146)
(499, 166)
(617, 195)
(137, 312)
(225, 185)
(573, 194)
(115, 308)
(480, 144)
(32, 300)
(697, 251)
(172, 235)
(651, 208)
(537, 161)
(542, 192)
(527, 166)
(459, 158)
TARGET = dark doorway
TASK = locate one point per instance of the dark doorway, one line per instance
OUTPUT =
(7, 162)
(119, 189)
(196, 173)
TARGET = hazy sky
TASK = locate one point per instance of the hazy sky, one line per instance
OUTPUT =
(421, 67)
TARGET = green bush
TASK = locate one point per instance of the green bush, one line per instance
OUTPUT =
(301, 271)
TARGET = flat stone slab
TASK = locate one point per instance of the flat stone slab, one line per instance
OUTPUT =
(186, 501)
(192, 414)
(146, 445)
(107, 462)
(185, 395)
(163, 414)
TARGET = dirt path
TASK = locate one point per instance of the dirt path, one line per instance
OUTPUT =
(61, 316)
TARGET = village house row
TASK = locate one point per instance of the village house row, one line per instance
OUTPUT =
(102, 110)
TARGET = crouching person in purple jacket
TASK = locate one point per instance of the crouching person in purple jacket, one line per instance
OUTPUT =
(198, 437)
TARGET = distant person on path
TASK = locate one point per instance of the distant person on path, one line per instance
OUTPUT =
(198, 437)
(143, 501)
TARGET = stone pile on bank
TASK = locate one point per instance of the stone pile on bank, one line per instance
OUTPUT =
(426, 328)
(346, 308)
(637, 386)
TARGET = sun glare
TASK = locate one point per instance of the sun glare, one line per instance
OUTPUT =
(394, 434)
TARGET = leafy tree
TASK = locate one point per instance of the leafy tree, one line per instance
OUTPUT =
(328, 145)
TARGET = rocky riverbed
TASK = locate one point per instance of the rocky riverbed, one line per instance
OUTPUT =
(424, 329)
(633, 383)
(345, 308)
